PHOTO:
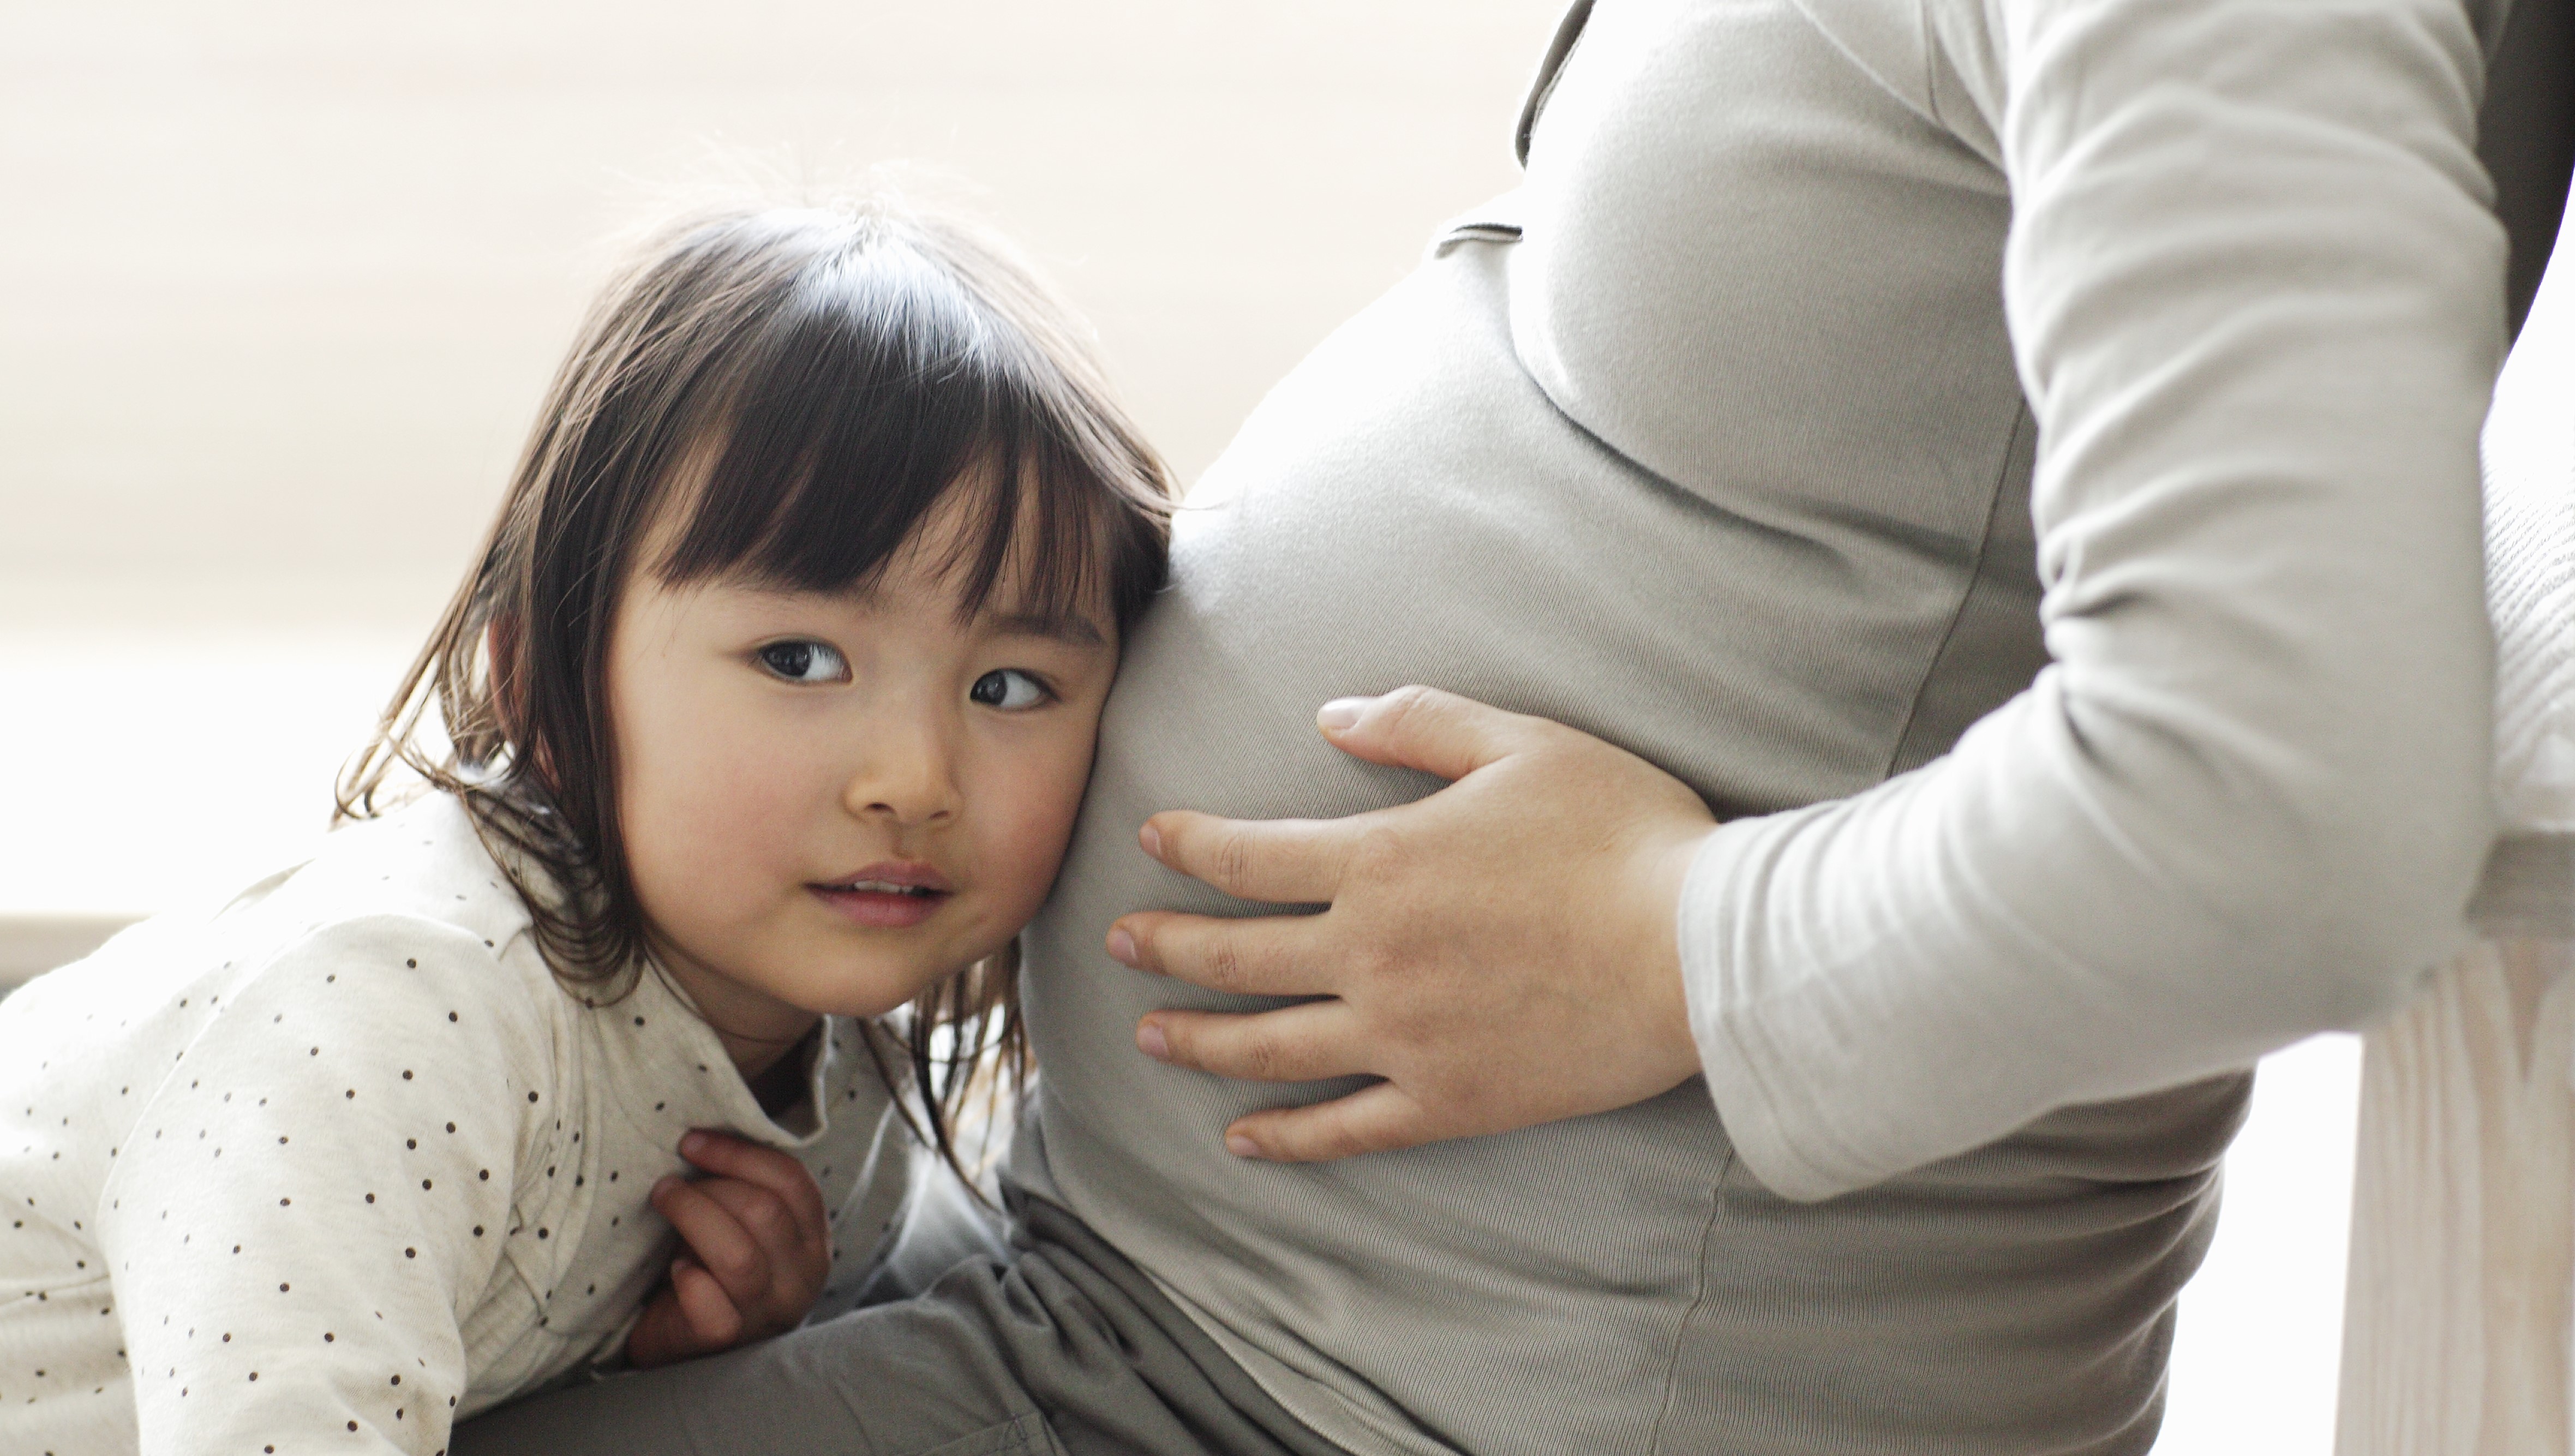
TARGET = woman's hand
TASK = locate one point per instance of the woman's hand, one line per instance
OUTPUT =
(1501, 953)
(758, 1251)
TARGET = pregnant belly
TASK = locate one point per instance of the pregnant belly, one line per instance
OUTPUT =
(1408, 507)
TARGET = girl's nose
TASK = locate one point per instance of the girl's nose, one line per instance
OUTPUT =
(907, 776)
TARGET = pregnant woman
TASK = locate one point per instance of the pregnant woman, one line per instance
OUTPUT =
(2015, 463)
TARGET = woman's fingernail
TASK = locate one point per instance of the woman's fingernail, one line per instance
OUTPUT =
(692, 1144)
(1121, 946)
(1342, 713)
(1151, 839)
(1156, 1046)
(1240, 1146)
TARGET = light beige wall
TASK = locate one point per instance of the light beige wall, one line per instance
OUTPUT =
(280, 280)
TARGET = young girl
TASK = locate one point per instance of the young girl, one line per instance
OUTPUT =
(765, 714)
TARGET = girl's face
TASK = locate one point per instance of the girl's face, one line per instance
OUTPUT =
(829, 802)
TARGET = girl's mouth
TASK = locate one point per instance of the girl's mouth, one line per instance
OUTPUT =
(886, 897)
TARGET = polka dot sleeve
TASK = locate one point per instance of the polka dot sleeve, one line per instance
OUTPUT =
(319, 1186)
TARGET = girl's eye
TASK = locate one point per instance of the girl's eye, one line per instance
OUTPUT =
(804, 661)
(1009, 689)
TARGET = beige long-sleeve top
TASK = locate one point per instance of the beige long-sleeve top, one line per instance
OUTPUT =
(344, 1162)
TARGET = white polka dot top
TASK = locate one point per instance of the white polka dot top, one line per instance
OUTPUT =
(342, 1163)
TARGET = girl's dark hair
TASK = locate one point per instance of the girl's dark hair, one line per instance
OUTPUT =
(821, 378)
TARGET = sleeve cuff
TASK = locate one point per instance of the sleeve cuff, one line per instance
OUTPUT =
(1726, 876)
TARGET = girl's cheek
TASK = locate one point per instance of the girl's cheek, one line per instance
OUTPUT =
(1038, 826)
(709, 828)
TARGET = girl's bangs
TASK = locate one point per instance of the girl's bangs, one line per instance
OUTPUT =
(881, 391)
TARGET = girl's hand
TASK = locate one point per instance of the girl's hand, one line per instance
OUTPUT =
(759, 1249)
(1499, 954)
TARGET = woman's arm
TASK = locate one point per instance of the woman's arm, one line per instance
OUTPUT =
(2256, 298)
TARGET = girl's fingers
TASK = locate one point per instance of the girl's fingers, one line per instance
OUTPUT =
(732, 1157)
(713, 1318)
(691, 1316)
(792, 1256)
(720, 1244)
(661, 1334)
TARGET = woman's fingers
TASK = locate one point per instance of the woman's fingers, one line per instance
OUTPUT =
(1278, 862)
(1373, 1119)
(1270, 957)
(1425, 728)
(1504, 947)
(1301, 1043)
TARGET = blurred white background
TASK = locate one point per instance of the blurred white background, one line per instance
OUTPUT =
(281, 282)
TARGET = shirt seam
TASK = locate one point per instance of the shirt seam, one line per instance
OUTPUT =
(2022, 419)
(1699, 1301)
